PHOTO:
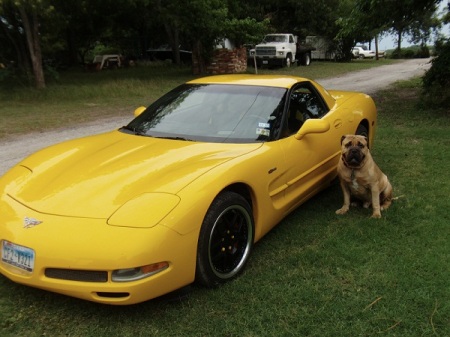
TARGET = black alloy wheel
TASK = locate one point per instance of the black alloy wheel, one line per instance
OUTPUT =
(225, 240)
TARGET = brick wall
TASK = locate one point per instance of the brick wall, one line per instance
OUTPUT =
(225, 61)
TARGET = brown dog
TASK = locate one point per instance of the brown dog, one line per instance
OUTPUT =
(361, 177)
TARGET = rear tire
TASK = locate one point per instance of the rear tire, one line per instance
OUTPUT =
(306, 59)
(225, 241)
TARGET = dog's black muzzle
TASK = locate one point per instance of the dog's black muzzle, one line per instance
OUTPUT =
(354, 156)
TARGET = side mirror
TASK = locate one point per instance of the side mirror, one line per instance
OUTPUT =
(139, 110)
(312, 126)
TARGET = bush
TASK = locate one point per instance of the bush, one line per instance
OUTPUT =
(436, 82)
(402, 54)
(411, 52)
(423, 52)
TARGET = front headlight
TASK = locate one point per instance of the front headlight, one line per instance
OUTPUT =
(144, 211)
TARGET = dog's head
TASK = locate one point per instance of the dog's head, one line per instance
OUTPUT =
(354, 150)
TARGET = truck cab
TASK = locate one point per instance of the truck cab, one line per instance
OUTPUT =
(276, 49)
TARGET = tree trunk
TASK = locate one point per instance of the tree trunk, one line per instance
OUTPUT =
(376, 48)
(198, 61)
(174, 42)
(71, 47)
(31, 28)
(399, 41)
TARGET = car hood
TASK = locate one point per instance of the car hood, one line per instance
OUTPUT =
(94, 176)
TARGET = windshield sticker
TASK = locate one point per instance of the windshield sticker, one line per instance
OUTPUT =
(264, 125)
(262, 132)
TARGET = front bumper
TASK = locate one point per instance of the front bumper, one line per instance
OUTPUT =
(77, 256)
(272, 60)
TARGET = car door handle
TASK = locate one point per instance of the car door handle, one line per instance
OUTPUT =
(337, 123)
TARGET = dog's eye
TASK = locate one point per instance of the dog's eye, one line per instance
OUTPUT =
(348, 145)
(361, 145)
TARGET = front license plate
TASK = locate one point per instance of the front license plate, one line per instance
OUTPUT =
(18, 256)
(265, 62)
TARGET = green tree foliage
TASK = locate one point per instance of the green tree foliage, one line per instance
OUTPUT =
(200, 22)
(371, 18)
(13, 48)
(354, 28)
(85, 24)
(414, 17)
(406, 17)
(21, 21)
(299, 17)
(69, 30)
(243, 31)
(436, 82)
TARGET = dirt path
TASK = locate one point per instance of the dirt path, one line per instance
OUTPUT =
(369, 81)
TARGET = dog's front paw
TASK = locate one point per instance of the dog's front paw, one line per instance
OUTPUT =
(376, 215)
(342, 210)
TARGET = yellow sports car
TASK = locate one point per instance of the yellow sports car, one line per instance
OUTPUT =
(180, 194)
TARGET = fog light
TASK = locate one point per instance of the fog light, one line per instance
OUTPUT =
(138, 273)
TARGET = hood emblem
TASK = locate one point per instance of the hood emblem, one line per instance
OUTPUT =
(30, 222)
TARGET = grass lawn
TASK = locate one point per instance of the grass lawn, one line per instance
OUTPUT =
(316, 273)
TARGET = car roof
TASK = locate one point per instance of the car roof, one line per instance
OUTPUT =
(278, 81)
(249, 79)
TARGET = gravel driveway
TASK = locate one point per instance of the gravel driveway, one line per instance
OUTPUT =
(369, 81)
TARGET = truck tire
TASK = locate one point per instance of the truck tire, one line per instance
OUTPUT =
(305, 59)
(288, 60)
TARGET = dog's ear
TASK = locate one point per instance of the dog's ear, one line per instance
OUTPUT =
(363, 137)
(342, 139)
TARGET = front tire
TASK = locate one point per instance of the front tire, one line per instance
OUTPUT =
(225, 241)
(288, 61)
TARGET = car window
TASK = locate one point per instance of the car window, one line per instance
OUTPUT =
(215, 113)
(304, 103)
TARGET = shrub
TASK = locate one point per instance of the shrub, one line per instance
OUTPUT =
(411, 52)
(423, 52)
(436, 82)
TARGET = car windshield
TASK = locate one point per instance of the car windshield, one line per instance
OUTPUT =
(214, 113)
(275, 38)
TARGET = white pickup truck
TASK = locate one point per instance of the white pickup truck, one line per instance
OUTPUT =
(281, 50)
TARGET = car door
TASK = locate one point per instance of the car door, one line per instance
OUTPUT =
(310, 161)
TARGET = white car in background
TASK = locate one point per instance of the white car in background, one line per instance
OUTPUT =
(362, 52)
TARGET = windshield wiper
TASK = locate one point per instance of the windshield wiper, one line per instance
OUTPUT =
(176, 138)
(133, 131)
